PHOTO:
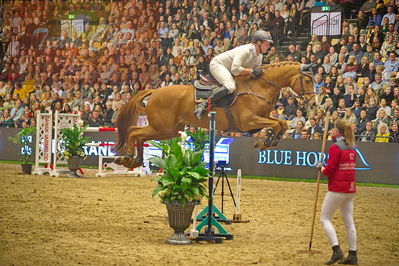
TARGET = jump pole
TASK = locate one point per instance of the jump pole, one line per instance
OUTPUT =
(101, 129)
(237, 215)
(117, 169)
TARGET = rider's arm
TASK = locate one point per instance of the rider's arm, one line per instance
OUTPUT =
(239, 58)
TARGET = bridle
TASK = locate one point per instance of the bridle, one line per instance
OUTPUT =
(299, 77)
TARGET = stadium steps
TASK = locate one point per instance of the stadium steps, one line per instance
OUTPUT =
(302, 38)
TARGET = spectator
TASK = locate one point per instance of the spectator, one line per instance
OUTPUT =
(357, 52)
(383, 133)
(17, 111)
(388, 47)
(367, 135)
(341, 64)
(371, 109)
(290, 110)
(378, 84)
(362, 20)
(299, 117)
(390, 15)
(350, 96)
(395, 117)
(314, 127)
(375, 19)
(297, 132)
(381, 118)
(316, 136)
(336, 96)
(271, 56)
(275, 114)
(394, 133)
(95, 120)
(350, 72)
(361, 122)
(277, 24)
(350, 116)
(368, 6)
(391, 65)
(363, 69)
(326, 64)
(333, 56)
(392, 33)
(304, 134)
(6, 119)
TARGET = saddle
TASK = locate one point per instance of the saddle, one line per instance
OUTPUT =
(203, 90)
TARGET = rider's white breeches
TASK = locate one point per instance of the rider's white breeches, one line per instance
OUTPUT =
(331, 203)
(223, 76)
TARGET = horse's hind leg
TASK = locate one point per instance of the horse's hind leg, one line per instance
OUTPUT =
(125, 159)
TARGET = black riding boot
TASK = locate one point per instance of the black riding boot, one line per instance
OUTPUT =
(336, 256)
(218, 94)
(351, 259)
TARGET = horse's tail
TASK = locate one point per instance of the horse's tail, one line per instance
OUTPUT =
(128, 114)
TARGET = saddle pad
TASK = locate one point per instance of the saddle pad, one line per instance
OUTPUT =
(202, 95)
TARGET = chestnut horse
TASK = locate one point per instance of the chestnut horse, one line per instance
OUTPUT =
(170, 108)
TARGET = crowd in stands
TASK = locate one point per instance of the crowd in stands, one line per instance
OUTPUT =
(93, 72)
(138, 45)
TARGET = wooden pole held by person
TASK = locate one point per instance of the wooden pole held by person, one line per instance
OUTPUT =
(323, 146)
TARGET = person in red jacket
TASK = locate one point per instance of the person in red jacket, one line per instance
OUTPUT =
(340, 170)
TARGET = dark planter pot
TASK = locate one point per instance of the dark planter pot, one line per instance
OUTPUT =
(179, 219)
(26, 168)
(73, 166)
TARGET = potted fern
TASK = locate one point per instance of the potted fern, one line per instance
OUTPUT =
(182, 185)
(24, 138)
(72, 145)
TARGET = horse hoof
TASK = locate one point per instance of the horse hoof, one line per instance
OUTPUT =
(267, 144)
(136, 163)
(277, 139)
(119, 160)
(259, 144)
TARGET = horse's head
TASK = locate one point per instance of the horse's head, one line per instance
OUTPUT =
(303, 84)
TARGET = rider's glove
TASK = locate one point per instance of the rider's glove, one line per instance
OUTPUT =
(257, 71)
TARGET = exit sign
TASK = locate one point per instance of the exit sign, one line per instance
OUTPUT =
(71, 16)
(325, 8)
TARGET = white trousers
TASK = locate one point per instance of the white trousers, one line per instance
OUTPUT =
(223, 76)
(343, 201)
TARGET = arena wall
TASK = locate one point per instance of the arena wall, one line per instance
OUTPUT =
(377, 162)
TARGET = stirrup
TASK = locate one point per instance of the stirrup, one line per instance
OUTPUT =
(200, 109)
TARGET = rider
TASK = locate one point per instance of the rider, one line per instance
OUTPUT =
(242, 60)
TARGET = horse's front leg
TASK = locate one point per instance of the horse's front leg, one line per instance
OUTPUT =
(274, 128)
(278, 135)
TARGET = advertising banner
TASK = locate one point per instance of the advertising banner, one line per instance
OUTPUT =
(376, 162)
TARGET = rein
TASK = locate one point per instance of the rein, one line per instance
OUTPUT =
(300, 74)
(249, 92)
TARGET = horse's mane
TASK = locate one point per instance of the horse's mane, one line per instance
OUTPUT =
(279, 64)
(242, 81)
